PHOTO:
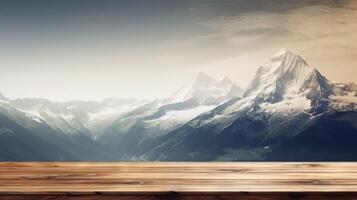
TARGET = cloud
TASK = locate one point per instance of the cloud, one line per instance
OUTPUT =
(324, 34)
(313, 22)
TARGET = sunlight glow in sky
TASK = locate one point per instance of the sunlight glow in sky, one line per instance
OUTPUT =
(95, 49)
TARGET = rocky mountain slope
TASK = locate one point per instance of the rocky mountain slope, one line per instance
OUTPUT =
(287, 102)
(289, 112)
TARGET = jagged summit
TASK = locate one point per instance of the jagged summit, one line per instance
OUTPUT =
(206, 90)
(202, 80)
(283, 52)
(288, 61)
(225, 80)
(203, 77)
(288, 74)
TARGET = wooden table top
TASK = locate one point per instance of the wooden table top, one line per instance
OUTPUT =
(37, 178)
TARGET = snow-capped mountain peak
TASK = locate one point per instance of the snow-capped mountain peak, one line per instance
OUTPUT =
(288, 74)
(226, 81)
(206, 90)
(203, 79)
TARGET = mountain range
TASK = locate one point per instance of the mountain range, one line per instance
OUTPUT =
(289, 112)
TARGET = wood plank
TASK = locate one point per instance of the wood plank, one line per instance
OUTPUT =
(109, 178)
(176, 196)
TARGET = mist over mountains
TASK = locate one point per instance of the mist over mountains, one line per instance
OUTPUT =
(289, 112)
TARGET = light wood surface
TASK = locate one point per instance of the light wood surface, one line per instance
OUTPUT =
(115, 178)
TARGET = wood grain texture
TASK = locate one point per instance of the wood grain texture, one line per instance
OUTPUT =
(177, 180)
(201, 196)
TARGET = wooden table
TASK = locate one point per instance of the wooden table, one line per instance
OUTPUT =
(184, 181)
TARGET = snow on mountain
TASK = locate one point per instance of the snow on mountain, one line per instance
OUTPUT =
(25, 119)
(345, 96)
(202, 95)
(285, 97)
(287, 75)
(206, 90)
(54, 114)
(286, 85)
(172, 120)
(99, 121)
(204, 120)
(86, 117)
(138, 131)
(343, 89)
(127, 120)
(94, 118)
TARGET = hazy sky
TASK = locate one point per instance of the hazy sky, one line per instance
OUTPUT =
(148, 48)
